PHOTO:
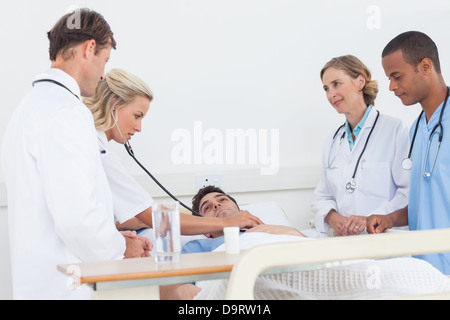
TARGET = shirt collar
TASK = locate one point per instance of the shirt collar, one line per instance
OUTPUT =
(434, 119)
(358, 127)
(102, 140)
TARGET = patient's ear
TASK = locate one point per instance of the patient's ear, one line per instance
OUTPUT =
(208, 235)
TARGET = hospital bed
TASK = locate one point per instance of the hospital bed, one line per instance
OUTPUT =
(329, 260)
(373, 266)
(325, 251)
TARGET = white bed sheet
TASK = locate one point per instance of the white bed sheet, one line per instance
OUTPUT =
(356, 279)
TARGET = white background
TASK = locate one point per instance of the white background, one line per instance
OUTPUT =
(236, 64)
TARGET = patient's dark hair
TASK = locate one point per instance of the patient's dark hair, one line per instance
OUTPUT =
(203, 192)
(415, 47)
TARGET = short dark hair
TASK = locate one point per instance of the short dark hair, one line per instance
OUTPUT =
(415, 47)
(203, 192)
(66, 34)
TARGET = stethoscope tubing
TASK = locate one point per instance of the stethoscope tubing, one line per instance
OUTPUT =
(351, 185)
(407, 162)
(127, 147)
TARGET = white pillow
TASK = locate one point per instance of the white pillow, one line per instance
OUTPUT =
(268, 212)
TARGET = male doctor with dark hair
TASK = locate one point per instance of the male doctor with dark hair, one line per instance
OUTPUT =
(411, 62)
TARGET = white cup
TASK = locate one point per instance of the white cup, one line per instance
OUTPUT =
(231, 240)
(166, 228)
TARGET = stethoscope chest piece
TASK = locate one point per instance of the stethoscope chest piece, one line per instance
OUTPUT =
(350, 186)
(407, 164)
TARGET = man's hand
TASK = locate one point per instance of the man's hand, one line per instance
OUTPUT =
(378, 223)
(276, 229)
(136, 246)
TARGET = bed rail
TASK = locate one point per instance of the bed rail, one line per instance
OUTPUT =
(386, 245)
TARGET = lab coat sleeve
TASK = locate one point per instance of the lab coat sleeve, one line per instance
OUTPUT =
(129, 197)
(400, 176)
(323, 200)
(74, 182)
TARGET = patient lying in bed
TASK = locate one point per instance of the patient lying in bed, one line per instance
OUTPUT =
(354, 279)
(213, 202)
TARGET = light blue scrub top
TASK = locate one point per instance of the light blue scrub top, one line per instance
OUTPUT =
(204, 245)
(429, 198)
(357, 129)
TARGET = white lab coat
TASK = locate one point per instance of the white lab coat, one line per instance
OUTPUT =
(129, 197)
(59, 201)
(382, 185)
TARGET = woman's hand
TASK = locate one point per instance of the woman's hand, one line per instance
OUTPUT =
(244, 220)
(345, 226)
(354, 225)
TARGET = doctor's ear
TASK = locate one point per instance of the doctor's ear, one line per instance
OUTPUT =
(113, 114)
(361, 82)
(426, 65)
(88, 48)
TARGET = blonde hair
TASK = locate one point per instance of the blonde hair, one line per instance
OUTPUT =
(354, 67)
(117, 90)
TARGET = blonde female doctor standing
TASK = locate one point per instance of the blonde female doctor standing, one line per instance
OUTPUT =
(361, 161)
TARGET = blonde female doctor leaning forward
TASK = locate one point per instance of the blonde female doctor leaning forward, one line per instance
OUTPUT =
(120, 103)
(361, 161)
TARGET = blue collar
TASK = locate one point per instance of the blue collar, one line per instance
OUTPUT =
(357, 129)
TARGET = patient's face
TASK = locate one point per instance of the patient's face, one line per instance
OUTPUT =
(217, 205)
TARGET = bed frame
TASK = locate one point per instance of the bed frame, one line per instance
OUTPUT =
(140, 278)
(322, 251)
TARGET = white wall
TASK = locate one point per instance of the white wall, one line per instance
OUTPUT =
(228, 65)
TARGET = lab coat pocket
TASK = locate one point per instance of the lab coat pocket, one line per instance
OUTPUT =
(373, 187)
(334, 179)
(375, 180)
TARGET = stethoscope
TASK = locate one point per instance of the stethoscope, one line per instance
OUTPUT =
(407, 162)
(55, 82)
(127, 147)
(351, 185)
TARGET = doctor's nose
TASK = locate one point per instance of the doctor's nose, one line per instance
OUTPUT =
(138, 127)
(331, 94)
(393, 85)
